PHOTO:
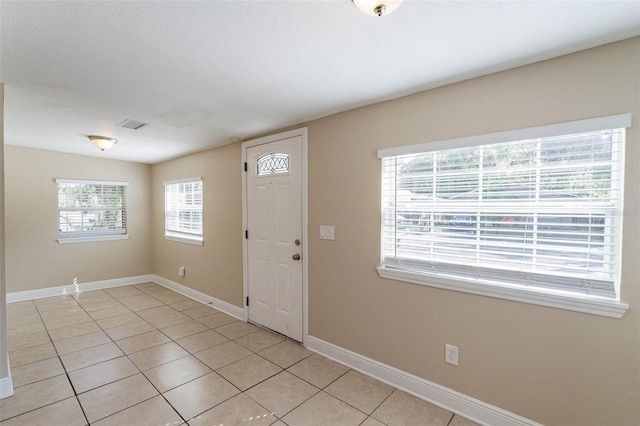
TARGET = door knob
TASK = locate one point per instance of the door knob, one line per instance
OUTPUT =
(296, 256)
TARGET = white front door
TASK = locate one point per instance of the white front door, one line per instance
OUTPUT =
(274, 235)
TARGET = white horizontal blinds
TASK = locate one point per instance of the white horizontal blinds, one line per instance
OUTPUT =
(539, 212)
(183, 208)
(90, 208)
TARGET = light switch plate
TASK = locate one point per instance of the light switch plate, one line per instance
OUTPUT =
(327, 232)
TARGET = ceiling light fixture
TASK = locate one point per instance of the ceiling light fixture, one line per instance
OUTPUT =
(377, 7)
(102, 142)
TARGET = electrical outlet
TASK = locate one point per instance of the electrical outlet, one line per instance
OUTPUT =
(451, 354)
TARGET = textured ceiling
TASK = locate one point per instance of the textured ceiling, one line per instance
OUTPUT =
(203, 73)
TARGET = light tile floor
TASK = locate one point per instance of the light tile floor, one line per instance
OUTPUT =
(145, 355)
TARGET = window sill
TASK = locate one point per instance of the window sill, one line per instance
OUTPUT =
(555, 299)
(73, 240)
(186, 240)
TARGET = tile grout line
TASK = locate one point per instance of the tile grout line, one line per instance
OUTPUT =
(65, 368)
(128, 358)
(219, 375)
(145, 376)
(88, 366)
(189, 353)
(66, 372)
(125, 355)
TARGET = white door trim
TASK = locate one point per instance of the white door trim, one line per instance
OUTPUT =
(302, 132)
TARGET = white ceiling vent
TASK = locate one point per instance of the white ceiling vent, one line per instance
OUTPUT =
(130, 124)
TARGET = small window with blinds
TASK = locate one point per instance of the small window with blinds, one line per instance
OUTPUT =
(90, 209)
(183, 210)
(539, 213)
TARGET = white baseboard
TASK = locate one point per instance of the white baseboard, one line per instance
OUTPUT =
(20, 296)
(6, 387)
(463, 405)
(220, 305)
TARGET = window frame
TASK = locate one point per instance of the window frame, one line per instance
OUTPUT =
(598, 305)
(92, 236)
(184, 237)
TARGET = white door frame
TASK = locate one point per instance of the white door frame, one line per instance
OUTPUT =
(302, 132)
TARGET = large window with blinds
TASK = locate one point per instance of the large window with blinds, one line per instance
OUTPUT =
(91, 210)
(541, 212)
(183, 210)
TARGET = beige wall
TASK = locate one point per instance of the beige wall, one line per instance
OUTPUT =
(549, 365)
(34, 258)
(215, 268)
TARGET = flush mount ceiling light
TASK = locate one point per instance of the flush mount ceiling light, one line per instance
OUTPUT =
(377, 7)
(102, 142)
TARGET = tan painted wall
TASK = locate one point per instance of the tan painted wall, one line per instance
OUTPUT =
(34, 258)
(215, 268)
(549, 365)
(4, 357)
